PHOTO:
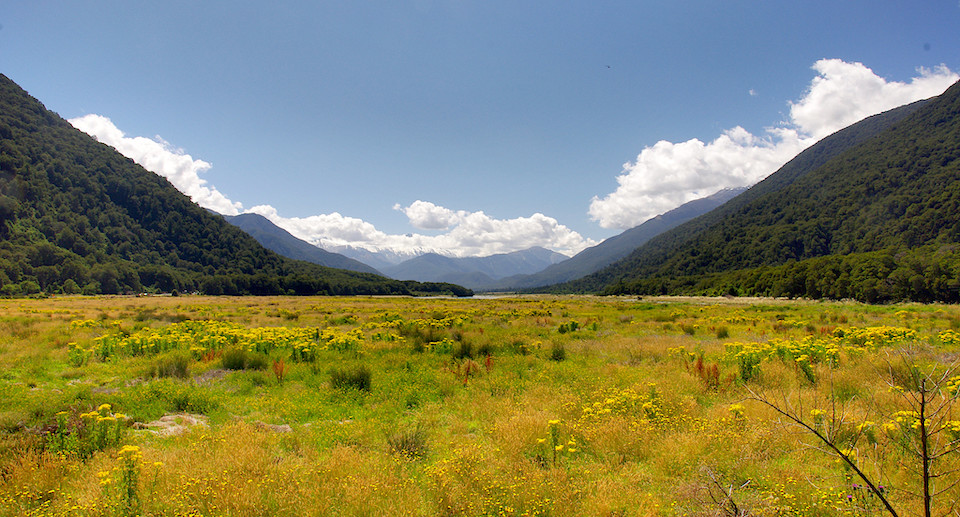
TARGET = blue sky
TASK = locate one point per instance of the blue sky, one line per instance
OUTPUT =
(470, 127)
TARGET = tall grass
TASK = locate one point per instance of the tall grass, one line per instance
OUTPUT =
(452, 407)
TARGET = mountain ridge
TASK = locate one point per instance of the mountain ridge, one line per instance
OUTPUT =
(888, 189)
(474, 272)
(614, 248)
(281, 241)
(77, 216)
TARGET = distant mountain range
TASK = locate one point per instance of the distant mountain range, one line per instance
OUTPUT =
(473, 272)
(528, 268)
(428, 267)
(380, 259)
(279, 240)
(615, 248)
(871, 212)
(523, 269)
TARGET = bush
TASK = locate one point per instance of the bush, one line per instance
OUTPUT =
(257, 362)
(558, 352)
(234, 359)
(486, 349)
(355, 377)
(240, 359)
(463, 350)
(177, 366)
(518, 347)
(411, 444)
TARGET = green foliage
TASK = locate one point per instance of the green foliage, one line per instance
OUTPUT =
(153, 399)
(356, 377)
(558, 352)
(870, 213)
(241, 359)
(84, 434)
(176, 365)
(74, 212)
(410, 443)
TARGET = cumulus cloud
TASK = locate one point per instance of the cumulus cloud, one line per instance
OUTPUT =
(428, 216)
(844, 93)
(470, 233)
(669, 174)
(161, 158)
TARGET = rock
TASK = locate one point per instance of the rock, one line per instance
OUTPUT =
(285, 428)
(172, 425)
(210, 375)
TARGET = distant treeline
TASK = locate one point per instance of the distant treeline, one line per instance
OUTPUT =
(925, 274)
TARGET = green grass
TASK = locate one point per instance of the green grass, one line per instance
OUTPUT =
(453, 407)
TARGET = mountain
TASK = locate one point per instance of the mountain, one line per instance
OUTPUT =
(76, 215)
(871, 212)
(380, 259)
(473, 272)
(619, 246)
(279, 240)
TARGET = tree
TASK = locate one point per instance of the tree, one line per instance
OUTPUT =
(921, 428)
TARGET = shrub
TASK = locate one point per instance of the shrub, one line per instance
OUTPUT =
(234, 359)
(257, 362)
(176, 365)
(463, 350)
(85, 434)
(709, 374)
(355, 377)
(240, 359)
(279, 370)
(558, 352)
(168, 395)
(723, 333)
(411, 444)
(518, 347)
(485, 349)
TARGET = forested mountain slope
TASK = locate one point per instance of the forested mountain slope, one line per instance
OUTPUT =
(76, 215)
(615, 248)
(875, 197)
(274, 238)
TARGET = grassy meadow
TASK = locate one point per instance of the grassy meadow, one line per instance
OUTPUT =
(503, 406)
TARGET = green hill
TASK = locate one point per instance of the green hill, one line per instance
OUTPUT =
(619, 246)
(871, 212)
(75, 215)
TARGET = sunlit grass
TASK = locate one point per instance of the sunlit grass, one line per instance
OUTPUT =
(401, 406)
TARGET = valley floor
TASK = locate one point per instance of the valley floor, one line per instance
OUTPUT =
(494, 406)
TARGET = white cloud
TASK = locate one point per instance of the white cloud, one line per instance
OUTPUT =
(161, 158)
(428, 216)
(668, 174)
(844, 93)
(470, 233)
